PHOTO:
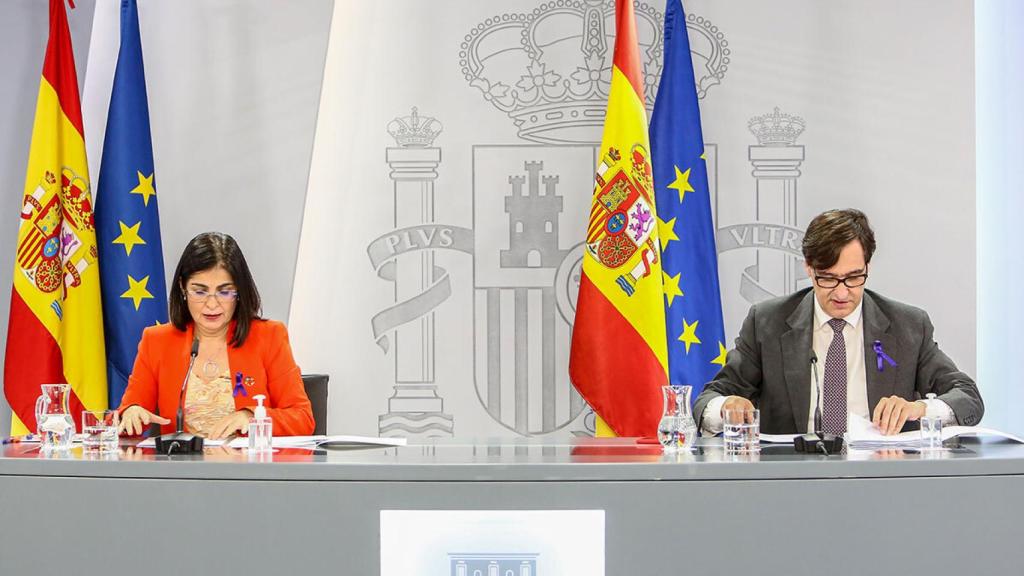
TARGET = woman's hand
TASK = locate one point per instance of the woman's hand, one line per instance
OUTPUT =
(235, 422)
(135, 419)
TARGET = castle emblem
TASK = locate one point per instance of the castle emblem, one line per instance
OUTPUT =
(522, 225)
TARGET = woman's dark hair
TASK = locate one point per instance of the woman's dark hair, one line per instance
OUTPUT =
(205, 252)
(830, 231)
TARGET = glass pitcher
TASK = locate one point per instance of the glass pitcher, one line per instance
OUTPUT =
(677, 430)
(54, 423)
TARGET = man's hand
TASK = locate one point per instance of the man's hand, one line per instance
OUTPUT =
(893, 412)
(135, 419)
(741, 406)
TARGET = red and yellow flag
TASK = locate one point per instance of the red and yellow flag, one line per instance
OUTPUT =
(55, 334)
(619, 358)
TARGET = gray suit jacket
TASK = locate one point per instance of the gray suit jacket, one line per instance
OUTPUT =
(771, 362)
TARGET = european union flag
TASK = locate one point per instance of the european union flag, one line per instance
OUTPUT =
(693, 304)
(127, 220)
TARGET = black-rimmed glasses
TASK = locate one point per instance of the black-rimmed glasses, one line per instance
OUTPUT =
(853, 281)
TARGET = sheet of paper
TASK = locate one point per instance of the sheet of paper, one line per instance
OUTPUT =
(778, 438)
(312, 441)
(861, 433)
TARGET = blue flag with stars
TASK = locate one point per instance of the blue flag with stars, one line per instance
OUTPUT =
(127, 220)
(693, 303)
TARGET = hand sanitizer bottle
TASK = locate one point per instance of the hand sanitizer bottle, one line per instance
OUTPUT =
(261, 427)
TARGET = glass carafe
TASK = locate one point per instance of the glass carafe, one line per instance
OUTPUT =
(54, 423)
(677, 430)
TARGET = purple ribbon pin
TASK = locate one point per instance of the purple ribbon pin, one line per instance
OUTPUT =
(239, 389)
(881, 355)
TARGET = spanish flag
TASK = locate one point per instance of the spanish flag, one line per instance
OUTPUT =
(618, 360)
(55, 334)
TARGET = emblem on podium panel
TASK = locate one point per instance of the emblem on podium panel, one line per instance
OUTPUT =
(493, 564)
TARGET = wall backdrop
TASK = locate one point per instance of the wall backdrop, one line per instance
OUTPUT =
(363, 153)
(435, 316)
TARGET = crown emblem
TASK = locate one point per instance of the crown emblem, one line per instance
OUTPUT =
(550, 69)
(776, 129)
(414, 131)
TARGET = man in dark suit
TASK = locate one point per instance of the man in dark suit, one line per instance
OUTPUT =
(872, 356)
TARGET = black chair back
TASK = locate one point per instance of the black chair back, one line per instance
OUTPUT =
(316, 390)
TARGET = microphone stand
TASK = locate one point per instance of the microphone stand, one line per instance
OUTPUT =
(182, 442)
(817, 441)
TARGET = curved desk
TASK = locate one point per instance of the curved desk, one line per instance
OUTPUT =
(306, 512)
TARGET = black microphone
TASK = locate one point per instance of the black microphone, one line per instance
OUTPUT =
(817, 441)
(180, 442)
(184, 384)
(817, 395)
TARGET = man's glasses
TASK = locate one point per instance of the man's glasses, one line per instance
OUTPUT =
(202, 295)
(831, 281)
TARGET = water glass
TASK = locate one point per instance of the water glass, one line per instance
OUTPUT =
(99, 430)
(931, 432)
(742, 430)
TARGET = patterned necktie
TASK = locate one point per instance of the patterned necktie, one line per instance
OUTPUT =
(833, 419)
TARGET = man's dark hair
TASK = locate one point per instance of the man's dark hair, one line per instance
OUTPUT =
(830, 231)
(207, 251)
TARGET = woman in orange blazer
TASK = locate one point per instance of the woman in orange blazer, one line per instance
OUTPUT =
(214, 300)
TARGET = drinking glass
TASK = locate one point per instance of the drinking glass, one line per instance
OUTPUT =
(742, 430)
(99, 430)
(931, 432)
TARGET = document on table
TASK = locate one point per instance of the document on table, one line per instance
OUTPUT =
(861, 433)
(314, 441)
(298, 441)
(779, 438)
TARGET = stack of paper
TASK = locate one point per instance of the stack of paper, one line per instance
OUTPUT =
(862, 434)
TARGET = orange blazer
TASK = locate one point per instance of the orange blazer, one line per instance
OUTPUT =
(266, 357)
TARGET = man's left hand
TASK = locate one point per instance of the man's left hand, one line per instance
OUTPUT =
(893, 412)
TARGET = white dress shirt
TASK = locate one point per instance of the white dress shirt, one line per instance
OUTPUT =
(856, 377)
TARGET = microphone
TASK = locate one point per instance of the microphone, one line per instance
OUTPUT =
(184, 384)
(817, 395)
(817, 441)
(181, 442)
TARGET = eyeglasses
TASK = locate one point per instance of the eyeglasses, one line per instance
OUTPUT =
(850, 281)
(201, 295)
